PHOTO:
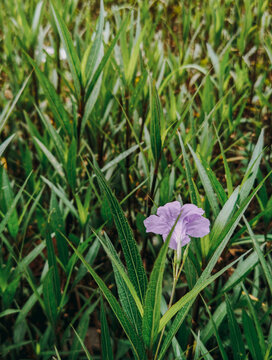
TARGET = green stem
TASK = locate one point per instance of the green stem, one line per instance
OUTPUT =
(149, 201)
(176, 274)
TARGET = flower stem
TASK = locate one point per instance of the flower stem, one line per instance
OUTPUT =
(176, 274)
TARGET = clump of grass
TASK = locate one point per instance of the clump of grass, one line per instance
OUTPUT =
(105, 116)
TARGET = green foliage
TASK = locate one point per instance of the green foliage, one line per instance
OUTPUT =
(106, 113)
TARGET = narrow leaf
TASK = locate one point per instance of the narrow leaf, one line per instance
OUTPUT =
(4, 144)
(107, 353)
(135, 267)
(54, 162)
(12, 206)
(252, 168)
(188, 170)
(72, 56)
(259, 252)
(155, 123)
(225, 236)
(237, 344)
(8, 110)
(55, 103)
(206, 183)
(134, 339)
(71, 164)
(152, 306)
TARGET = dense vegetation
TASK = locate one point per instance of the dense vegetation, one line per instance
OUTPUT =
(108, 111)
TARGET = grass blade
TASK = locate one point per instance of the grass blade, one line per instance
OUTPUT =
(72, 56)
(6, 114)
(252, 168)
(13, 222)
(130, 331)
(152, 305)
(12, 206)
(57, 108)
(49, 297)
(225, 236)
(5, 144)
(91, 62)
(200, 285)
(238, 349)
(155, 122)
(188, 170)
(107, 353)
(267, 272)
(103, 62)
(108, 247)
(206, 183)
(135, 266)
(54, 162)
(251, 337)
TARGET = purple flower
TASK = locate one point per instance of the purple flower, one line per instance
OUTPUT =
(190, 223)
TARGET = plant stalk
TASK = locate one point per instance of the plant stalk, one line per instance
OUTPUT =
(176, 275)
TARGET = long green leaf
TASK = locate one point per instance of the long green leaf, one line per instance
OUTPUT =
(57, 108)
(4, 144)
(129, 70)
(252, 168)
(52, 262)
(218, 188)
(188, 170)
(8, 110)
(251, 337)
(191, 295)
(54, 162)
(107, 353)
(72, 56)
(223, 217)
(225, 236)
(206, 183)
(88, 356)
(81, 332)
(253, 312)
(220, 344)
(12, 206)
(20, 323)
(71, 164)
(49, 297)
(121, 271)
(57, 226)
(242, 270)
(152, 306)
(60, 146)
(238, 349)
(120, 157)
(130, 331)
(93, 55)
(61, 195)
(103, 62)
(226, 166)
(155, 123)
(267, 272)
(13, 223)
(135, 266)
(27, 260)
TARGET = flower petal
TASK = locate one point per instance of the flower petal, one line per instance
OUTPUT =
(156, 225)
(173, 241)
(178, 232)
(170, 211)
(190, 210)
(185, 240)
(198, 227)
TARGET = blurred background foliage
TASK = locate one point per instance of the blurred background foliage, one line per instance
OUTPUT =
(130, 86)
